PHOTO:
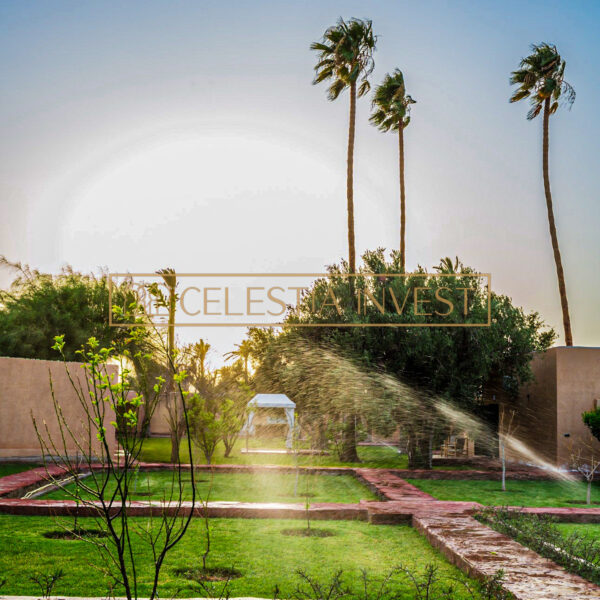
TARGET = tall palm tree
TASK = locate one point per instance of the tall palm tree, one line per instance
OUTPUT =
(391, 112)
(175, 419)
(244, 352)
(346, 59)
(201, 349)
(540, 78)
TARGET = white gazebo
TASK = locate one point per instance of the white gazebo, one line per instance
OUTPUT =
(272, 401)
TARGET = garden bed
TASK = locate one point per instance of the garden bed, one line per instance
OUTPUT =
(246, 487)
(519, 493)
(257, 549)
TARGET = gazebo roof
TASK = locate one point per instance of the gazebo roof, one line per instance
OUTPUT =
(272, 401)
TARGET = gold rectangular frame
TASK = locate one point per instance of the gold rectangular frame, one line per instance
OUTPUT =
(314, 275)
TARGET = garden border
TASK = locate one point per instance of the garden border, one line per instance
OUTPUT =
(448, 526)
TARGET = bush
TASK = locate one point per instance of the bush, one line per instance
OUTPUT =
(592, 420)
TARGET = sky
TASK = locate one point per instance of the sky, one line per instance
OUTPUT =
(141, 135)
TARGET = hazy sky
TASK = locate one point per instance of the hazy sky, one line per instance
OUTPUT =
(141, 135)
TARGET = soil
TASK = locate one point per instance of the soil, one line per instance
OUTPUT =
(69, 534)
(209, 574)
(308, 532)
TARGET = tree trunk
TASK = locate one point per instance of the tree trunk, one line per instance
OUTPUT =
(588, 497)
(503, 459)
(350, 180)
(402, 199)
(553, 236)
(228, 448)
(348, 451)
(418, 451)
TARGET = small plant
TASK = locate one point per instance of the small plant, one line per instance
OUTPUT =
(491, 588)
(310, 589)
(586, 461)
(426, 585)
(47, 581)
(506, 431)
(307, 504)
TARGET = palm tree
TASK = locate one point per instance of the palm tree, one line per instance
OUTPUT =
(201, 349)
(392, 113)
(175, 417)
(346, 58)
(244, 352)
(540, 77)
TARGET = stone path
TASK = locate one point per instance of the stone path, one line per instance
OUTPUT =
(221, 509)
(481, 551)
(17, 484)
(475, 548)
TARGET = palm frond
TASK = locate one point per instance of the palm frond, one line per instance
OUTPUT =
(345, 55)
(541, 78)
(391, 103)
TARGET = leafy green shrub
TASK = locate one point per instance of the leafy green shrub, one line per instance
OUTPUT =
(592, 420)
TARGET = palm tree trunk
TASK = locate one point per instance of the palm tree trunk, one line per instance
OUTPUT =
(557, 259)
(350, 180)
(402, 199)
(348, 451)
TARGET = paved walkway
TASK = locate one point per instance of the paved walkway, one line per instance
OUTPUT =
(17, 484)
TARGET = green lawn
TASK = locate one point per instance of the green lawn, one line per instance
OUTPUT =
(373, 457)
(159, 450)
(518, 493)
(249, 487)
(591, 530)
(11, 468)
(255, 547)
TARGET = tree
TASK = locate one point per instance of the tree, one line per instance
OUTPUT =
(244, 352)
(106, 493)
(39, 306)
(195, 356)
(230, 386)
(506, 430)
(392, 113)
(592, 420)
(345, 59)
(541, 79)
(175, 415)
(398, 376)
(585, 460)
(206, 424)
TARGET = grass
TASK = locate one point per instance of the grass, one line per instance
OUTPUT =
(12, 468)
(248, 487)
(255, 547)
(519, 493)
(372, 457)
(591, 530)
(159, 450)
